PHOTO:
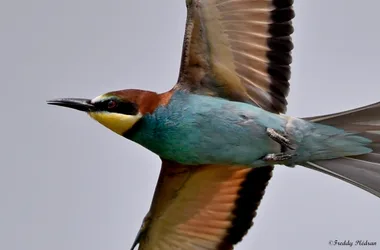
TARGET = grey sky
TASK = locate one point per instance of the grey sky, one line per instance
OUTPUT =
(67, 183)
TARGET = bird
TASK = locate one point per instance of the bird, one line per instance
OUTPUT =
(221, 129)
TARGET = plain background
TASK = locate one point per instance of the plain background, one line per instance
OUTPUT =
(67, 183)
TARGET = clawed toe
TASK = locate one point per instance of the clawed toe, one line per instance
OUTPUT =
(279, 138)
(277, 157)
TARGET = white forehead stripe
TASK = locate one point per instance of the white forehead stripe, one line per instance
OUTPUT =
(98, 98)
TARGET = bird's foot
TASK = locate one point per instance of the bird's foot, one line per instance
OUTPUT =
(279, 138)
(287, 149)
(278, 157)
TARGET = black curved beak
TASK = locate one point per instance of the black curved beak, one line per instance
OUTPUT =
(74, 103)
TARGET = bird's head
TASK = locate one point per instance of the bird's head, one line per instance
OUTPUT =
(117, 110)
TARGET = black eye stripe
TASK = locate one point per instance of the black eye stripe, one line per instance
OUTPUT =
(127, 108)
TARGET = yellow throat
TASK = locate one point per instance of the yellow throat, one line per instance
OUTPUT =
(118, 123)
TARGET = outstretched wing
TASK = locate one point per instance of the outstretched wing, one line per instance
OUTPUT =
(238, 50)
(202, 207)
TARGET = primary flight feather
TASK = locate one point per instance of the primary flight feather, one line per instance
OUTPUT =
(221, 128)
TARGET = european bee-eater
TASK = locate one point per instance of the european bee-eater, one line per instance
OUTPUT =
(222, 127)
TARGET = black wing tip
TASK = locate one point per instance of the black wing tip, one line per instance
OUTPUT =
(279, 55)
(282, 3)
(250, 195)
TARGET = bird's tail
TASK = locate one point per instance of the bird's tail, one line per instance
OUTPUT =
(364, 170)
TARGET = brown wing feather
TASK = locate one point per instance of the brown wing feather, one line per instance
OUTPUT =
(204, 207)
(239, 50)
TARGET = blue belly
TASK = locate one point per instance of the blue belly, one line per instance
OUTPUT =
(195, 129)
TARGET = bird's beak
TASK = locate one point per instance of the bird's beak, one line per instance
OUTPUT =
(74, 103)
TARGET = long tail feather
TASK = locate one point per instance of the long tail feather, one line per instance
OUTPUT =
(362, 171)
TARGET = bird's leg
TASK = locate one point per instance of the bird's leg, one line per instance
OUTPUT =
(286, 147)
(281, 139)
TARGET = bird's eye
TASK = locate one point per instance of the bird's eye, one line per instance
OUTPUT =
(111, 104)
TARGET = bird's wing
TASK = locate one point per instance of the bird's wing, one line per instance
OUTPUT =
(202, 207)
(238, 50)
